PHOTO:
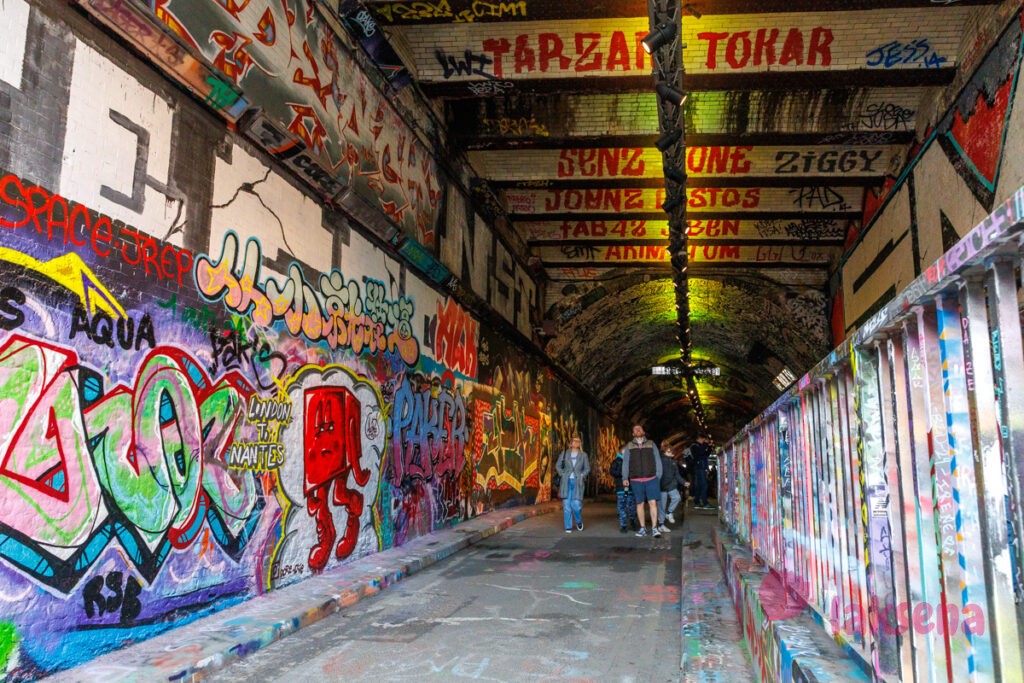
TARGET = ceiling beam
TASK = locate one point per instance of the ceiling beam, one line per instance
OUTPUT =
(706, 181)
(480, 142)
(773, 80)
(803, 164)
(660, 215)
(417, 12)
(695, 268)
(697, 242)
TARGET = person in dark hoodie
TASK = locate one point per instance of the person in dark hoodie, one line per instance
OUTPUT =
(671, 480)
(701, 452)
(624, 501)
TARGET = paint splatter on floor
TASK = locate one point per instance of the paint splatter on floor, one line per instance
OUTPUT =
(713, 648)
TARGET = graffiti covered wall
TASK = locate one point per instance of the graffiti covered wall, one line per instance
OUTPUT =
(523, 419)
(966, 154)
(214, 386)
(883, 489)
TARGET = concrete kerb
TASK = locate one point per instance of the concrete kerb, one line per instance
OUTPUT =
(712, 643)
(197, 649)
(792, 639)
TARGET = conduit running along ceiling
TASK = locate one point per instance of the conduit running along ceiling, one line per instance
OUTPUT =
(796, 112)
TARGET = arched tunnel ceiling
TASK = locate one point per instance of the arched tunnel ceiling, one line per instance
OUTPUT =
(797, 112)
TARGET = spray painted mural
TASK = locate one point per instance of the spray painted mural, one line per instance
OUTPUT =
(192, 420)
(524, 415)
(884, 490)
(969, 154)
(313, 108)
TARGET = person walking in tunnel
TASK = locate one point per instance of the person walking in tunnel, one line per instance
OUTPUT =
(573, 466)
(671, 480)
(624, 501)
(641, 470)
(684, 479)
(701, 453)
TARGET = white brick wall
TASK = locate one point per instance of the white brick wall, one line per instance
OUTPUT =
(300, 231)
(13, 13)
(804, 111)
(844, 39)
(105, 150)
(853, 35)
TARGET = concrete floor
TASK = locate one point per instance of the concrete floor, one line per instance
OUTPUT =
(531, 603)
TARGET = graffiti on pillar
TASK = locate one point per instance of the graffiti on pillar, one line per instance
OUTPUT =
(907, 583)
(429, 477)
(521, 420)
(499, 463)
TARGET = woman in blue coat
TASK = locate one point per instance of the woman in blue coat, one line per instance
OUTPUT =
(573, 466)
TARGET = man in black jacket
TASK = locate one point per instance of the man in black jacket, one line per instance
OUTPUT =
(701, 452)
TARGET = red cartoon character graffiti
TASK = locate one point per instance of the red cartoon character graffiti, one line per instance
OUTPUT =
(332, 447)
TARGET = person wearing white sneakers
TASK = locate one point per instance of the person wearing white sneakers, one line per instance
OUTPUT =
(573, 466)
(670, 481)
(641, 470)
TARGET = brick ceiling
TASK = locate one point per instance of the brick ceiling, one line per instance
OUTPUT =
(796, 112)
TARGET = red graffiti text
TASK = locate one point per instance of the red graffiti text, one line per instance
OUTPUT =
(763, 48)
(54, 217)
(713, 228)
(456, 338)
(601, 163)
(704, 197)
(588, 52)
(596, 200)
(576, 229)
(718, 160)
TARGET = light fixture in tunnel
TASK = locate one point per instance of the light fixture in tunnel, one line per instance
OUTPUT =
(658, 37)
(667, 139)
(675, 175)
(670, 94)
(784, 379)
